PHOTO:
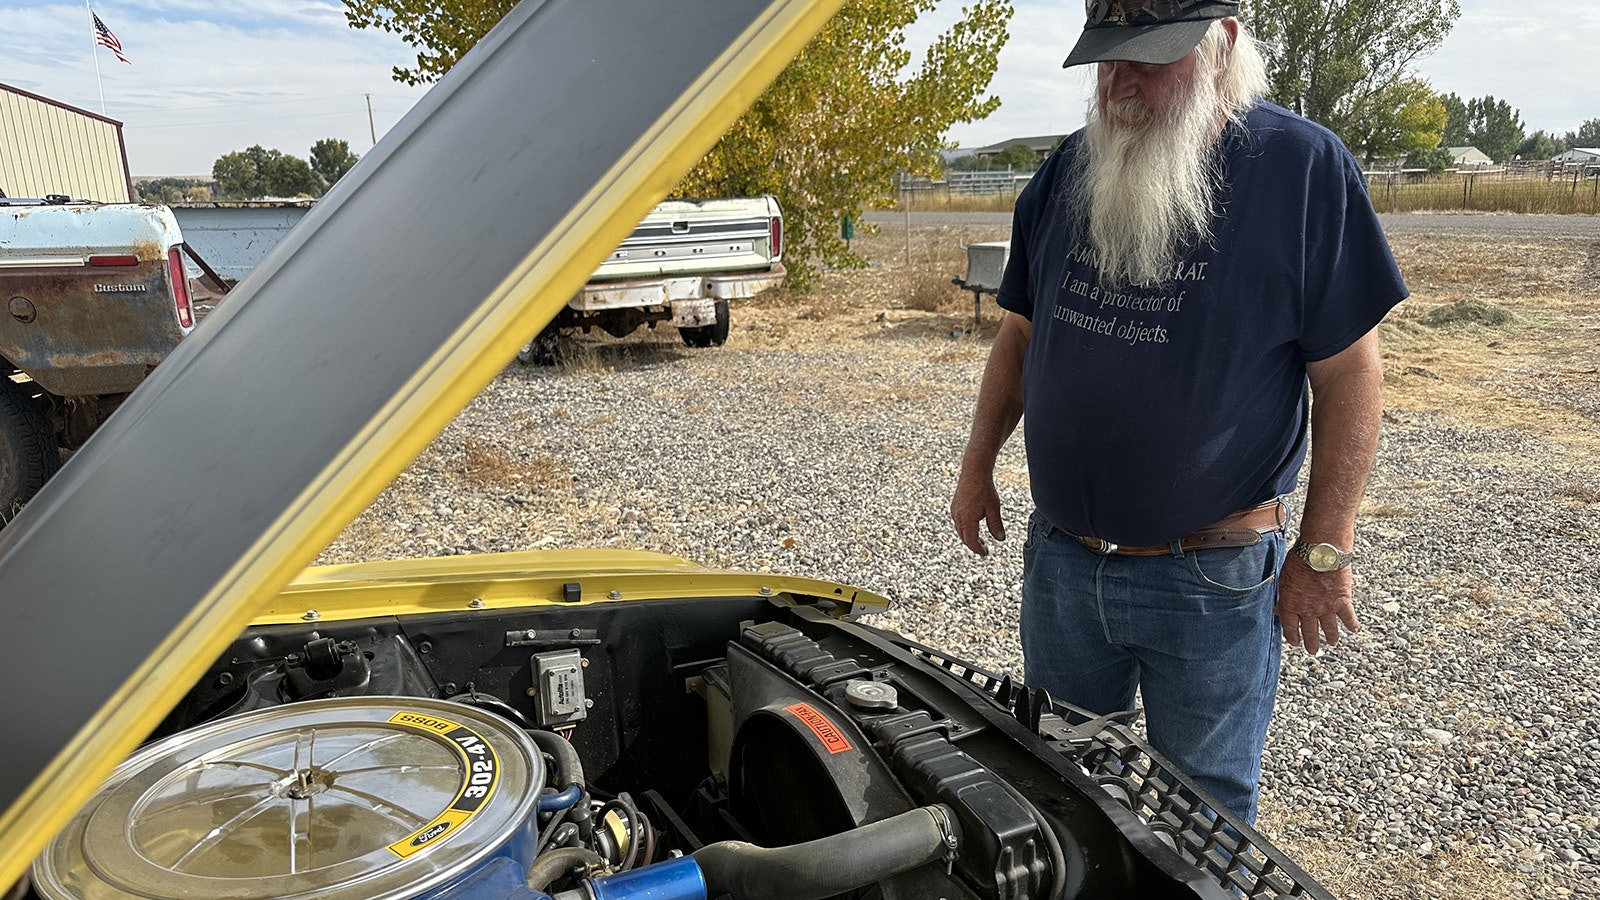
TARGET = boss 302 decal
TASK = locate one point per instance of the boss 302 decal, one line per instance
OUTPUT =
(480, 766)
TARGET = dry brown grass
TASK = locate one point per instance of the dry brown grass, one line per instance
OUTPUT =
(489, 466)
(1499, 335)
(941, 201)
(599, 354)
(1376, 511)
(1578, 492)
(1488, 193)
(929, 292)
(905, 294)
(1444, 875)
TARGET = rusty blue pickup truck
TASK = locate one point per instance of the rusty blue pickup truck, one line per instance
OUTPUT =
(95, 296)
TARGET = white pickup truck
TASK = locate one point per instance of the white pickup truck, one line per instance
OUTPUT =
(682, 265)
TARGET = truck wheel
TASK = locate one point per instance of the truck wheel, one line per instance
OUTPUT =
(542, 350)
(709, 335)
(28, 450)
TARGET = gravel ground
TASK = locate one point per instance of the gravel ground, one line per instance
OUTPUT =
(1450, 749)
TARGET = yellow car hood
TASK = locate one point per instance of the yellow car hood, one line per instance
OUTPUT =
(526, 579)
(402, 293)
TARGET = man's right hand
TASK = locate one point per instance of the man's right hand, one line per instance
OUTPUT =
(976, 501)
(999, 410)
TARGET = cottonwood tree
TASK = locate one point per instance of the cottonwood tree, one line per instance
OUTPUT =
(259, 172)
(1587, 135)
(1347, 63)
(1494, 127)
(832, 133)
(330, 159)
(828, 137)
(171, 190)
(1434, 161)
(444, 30)
(1486, 123)
(1404, 118)
(1457, 133)
(1541, 145)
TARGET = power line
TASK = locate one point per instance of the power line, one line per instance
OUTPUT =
(209, 122)
(303, 101)
(251, 103)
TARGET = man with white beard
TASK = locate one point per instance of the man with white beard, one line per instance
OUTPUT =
(1188, 272)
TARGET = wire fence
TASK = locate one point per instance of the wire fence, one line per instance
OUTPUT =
(993, 189)
(1517, 187)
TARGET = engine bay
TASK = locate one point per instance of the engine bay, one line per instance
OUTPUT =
(681, 748)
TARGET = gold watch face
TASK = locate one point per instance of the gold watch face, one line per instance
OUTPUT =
(1322, 557)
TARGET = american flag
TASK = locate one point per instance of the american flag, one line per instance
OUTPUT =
(104, 37)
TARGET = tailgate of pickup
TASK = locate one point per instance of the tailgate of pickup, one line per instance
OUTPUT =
(642, 292)
(88, 294)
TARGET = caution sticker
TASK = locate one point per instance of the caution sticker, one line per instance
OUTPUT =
(480, 766)
(832, 738)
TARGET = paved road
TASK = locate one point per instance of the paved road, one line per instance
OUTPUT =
(1540, 228)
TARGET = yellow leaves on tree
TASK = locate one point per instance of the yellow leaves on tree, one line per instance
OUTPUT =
(444, 29)
(828, 138)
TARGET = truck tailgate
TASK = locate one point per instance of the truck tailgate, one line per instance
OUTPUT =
(88, 295)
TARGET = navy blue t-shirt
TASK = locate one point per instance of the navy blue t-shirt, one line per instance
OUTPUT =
(1155, 410)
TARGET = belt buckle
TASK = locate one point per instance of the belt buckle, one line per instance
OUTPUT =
(1102, 546)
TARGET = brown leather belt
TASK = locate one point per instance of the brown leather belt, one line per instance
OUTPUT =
(1241, 529)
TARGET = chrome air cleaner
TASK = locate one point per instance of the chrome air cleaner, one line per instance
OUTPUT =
(370, 797)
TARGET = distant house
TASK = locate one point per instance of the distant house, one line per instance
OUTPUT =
(1041, 145)
(1469, 156)
(1580, 155)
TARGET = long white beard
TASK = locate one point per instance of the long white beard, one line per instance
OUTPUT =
(1145, 186)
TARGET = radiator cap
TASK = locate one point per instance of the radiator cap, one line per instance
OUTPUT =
(864, 694)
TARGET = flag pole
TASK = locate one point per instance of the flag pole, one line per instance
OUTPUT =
(93, 51)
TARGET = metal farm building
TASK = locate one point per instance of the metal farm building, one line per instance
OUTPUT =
(52, 148)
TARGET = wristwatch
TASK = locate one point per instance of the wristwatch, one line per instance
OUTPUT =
(1323, 557)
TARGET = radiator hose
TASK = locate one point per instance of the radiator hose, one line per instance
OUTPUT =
(830, 865)
(568, 775)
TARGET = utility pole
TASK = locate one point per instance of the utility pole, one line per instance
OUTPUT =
(371, 129)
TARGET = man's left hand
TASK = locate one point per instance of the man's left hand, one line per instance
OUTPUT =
(1312, 604)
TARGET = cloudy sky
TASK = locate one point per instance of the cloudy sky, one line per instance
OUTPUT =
(208, 77)
(1541, 58)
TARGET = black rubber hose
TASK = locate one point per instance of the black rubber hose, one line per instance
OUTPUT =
(550, 830)
(556, 863)
(569, 771)
(493, 703)
(830, 865)
(569, 768)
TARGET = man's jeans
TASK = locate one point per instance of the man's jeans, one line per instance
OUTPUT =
(1196, 634)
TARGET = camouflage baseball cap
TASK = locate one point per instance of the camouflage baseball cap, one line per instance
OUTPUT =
(1146, 31)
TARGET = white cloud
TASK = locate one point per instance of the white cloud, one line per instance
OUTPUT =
(1540, 59)
(203, 84)
(1540, 62)
(1036, 95)
(210, 78)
